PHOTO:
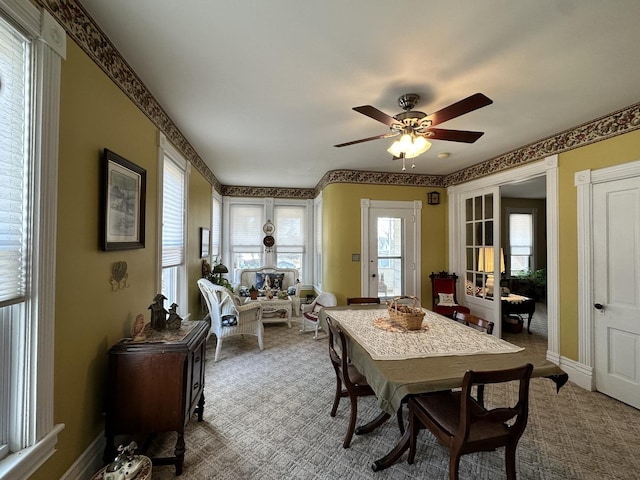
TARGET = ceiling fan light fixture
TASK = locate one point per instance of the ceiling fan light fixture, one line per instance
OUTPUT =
(395, 149)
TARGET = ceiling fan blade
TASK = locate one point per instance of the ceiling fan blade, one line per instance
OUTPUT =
(384, 135)
(464, 136)
(454, 110)
(376, 114)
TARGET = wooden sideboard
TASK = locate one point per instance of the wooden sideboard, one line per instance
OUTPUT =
(155, 386)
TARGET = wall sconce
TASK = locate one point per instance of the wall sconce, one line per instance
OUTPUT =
(433, 198)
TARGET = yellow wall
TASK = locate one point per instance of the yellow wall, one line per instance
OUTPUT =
(341, 234)
(617, 150)
(89, 316)
(199, 215)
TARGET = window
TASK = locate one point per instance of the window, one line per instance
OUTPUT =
(29, 89)
(317, 234)
(291, 227)
(216, 226)
(174, 195)
(245, 236)
(521, 258)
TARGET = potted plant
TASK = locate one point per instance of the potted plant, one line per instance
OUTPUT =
(253, 291)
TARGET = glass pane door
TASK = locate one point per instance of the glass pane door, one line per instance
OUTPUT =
(480, 255)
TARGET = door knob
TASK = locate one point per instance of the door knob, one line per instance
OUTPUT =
(373, 275)
(598, 306)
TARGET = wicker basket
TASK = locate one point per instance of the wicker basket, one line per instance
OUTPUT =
(405, 315)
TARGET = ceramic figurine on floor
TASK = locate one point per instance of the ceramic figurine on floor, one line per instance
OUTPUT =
(158, 313)
(126, 465)
(174, 321)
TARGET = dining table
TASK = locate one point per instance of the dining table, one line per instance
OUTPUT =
(399, 363)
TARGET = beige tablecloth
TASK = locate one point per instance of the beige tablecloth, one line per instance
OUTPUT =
(392, 380)
(440, 337)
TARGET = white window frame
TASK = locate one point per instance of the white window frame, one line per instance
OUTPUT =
(317, 242)
(268, 204)
(169, 152)
(216, 225)
(33, 434)
(525, 211)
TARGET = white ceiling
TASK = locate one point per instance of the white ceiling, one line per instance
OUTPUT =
(263, 90)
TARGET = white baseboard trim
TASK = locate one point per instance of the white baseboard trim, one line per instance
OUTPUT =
(580, 374)
(89, 462)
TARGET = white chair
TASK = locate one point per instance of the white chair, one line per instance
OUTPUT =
(228, 317)
(311, 311)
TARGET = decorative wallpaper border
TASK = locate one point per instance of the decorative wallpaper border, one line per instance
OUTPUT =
(623, 121)
(380, 178)
(88, 35)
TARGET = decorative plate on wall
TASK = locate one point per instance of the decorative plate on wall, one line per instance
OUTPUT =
(268, 241)
(268, 228)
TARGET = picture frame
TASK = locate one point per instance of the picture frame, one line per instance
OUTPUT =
(123, 197)
(205, 240)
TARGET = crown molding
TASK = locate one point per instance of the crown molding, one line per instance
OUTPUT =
(92, 40)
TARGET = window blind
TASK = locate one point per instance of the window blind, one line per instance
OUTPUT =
(290, 223)
(172, 215)
(14, 140)
(245, 225)
(216, 227)
(521, 233)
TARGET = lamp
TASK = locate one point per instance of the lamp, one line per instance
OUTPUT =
(409, 146)
(486, 264)
(220, 269)
(433, 198)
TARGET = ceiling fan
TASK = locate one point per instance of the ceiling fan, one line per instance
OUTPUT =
(416, 127)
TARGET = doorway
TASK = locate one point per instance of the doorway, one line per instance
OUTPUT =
(390, 248)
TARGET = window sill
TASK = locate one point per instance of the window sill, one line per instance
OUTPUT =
(24, 463)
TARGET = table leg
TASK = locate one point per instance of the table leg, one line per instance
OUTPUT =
(289, 310)
(391, 457)
(529, 323)
(373, 424)
(559, 380)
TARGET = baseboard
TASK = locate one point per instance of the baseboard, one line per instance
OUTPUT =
(580, 374)
(89, 462)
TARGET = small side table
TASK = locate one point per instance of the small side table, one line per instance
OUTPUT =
(143, 474)
(274, 306)
(519, 305)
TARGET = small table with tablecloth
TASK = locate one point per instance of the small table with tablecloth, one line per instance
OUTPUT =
(514, 304)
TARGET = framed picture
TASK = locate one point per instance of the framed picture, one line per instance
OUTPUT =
(204, 242)
(123, 192)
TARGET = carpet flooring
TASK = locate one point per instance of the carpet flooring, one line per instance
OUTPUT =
(267, 417)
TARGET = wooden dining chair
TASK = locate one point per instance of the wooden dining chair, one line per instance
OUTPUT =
(363, 300)
(347, 375)
(473, 321)
(477, 323)
(464, 426)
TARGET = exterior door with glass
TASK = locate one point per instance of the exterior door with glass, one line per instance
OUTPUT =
(391, 265)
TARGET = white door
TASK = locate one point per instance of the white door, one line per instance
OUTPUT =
(393, 264)
(481, 254)
(616, 243)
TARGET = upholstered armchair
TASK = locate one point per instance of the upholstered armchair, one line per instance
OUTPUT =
(443, 291)
(228, 317)
(311, 311)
